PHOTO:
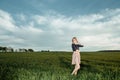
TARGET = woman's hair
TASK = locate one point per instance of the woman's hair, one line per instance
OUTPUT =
(75, 39)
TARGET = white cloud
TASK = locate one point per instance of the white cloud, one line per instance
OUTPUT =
(6, 21)
(30, 29)
(54, 31)
(40, 19)
(11, 34)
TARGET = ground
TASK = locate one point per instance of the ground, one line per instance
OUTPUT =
(57, 66)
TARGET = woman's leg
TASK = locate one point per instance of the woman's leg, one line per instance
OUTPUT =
(77, 67)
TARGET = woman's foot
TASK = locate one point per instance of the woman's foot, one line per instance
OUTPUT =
(72, 73)
(75, 73)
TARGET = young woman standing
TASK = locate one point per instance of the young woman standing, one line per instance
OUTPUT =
(76, 59)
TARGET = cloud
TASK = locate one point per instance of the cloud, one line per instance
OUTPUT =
(6, 22)
(54, 31)
(11, 34)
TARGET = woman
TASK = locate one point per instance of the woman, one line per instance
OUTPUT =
(76, 55)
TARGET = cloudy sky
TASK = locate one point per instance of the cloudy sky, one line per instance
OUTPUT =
(51, 24)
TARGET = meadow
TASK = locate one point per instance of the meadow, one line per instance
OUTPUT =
(57, 66)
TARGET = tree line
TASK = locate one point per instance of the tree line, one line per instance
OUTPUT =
(10, 49)
(109, 51)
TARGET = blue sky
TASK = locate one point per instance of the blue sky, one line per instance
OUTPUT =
(51, 24)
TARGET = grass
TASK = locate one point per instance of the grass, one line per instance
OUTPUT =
(57, 66)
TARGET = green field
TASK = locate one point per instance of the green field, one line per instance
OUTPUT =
(57, 66)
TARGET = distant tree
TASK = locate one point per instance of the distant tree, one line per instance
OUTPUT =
(4, 49)
(26, 50)
(22, 50)
(0, 48)
(45, 50)
(109, 51)
(30, 50)
(48, 50)
(12, 50)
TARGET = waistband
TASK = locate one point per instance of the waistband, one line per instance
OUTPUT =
(76, 51)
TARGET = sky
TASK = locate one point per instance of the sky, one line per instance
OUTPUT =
(51, 24)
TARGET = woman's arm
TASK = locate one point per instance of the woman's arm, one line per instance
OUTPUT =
(79, 45)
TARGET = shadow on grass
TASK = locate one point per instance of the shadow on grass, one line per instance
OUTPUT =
(86, 66)
(7, 73)
(65, 63)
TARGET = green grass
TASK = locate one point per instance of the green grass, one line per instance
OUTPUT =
(57, 66)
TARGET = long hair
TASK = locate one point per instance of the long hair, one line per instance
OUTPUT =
(75, 39)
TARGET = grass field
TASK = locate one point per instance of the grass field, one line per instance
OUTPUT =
(57, 66)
